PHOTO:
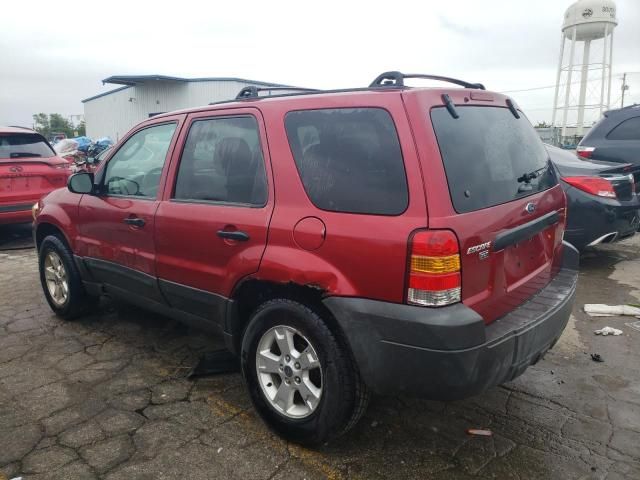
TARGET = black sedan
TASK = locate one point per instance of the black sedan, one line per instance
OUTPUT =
(603, 206)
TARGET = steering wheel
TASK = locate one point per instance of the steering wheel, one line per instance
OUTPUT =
(150, 182)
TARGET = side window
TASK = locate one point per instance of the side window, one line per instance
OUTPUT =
(627, 130)
(349, 159)
(136, 167)
(222, 162)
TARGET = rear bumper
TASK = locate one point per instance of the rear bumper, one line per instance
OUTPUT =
(448, 353)
(16, 213)
(595, 220)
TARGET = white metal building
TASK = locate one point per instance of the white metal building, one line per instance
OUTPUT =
(113, 113)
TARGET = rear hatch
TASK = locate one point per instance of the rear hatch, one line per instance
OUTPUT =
(488, 178)
(28, 168)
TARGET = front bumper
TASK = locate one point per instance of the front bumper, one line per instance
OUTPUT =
(448, 353)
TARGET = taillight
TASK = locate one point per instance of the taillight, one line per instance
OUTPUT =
(434, 269)
(594, 185)
(584, 152)
(633, 183)
(62, 166)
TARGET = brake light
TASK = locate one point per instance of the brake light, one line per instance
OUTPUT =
(584, 152)
(594, 185)
(434, 269)
(62, 166)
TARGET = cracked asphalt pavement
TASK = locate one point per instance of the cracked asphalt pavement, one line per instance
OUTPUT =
(107, 396)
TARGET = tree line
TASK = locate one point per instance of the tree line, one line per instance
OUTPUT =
(54, 123)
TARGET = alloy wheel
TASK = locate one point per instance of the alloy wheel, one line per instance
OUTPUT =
(56, 278)
(289, 372)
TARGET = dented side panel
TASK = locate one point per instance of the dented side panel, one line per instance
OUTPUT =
(343, 254)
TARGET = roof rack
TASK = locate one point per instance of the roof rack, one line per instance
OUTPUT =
(252, 91)
(396, 79)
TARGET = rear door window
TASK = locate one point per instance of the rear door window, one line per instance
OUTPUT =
(490, 156)
(24, 145)
(222, 162)
(627, 130)
(349, 159)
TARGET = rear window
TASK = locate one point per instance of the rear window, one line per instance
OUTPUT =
(24, 145)
(349, 159)
(490, 157)
(627, 130)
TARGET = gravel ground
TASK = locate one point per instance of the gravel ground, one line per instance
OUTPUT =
(107, 397)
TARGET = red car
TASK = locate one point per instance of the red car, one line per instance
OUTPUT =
(385, 239)
(29, 169)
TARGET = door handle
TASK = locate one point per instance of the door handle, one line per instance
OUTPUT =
(234, 235)
(135, 221)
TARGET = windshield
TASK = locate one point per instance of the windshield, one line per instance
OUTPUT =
(490, 156)
(24, 145)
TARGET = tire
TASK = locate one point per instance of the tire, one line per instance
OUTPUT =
(77, 302)
(343, 396)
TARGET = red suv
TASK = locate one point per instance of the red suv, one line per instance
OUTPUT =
(29, 169)
(386, 239)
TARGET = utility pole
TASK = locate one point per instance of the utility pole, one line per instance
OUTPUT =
(625, 87)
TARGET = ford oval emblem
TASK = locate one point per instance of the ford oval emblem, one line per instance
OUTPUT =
(530, 208)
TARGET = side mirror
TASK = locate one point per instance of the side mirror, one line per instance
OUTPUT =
(81, 182)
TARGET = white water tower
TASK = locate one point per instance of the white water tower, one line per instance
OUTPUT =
(585, 21)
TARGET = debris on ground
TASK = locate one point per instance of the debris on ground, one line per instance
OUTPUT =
(479, 432)
(597, 358)
(608, 331)
(634, 325)
(601, 310)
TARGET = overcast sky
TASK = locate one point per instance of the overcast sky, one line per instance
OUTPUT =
(55, 54)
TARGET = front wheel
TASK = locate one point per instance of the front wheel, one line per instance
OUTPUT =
(60, 279)
(301, 377)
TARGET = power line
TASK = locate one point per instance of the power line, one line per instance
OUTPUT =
(561, 85)
(529, 89)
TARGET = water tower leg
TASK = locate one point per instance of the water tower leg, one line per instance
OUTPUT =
(568, 89)
(610, 64)
(583, 87)
(604, 69)
(555, 97)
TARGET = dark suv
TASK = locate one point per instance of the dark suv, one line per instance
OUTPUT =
(386, 239)
(615, 138)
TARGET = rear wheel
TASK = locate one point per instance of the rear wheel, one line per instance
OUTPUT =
(301, 377)
(61, 281)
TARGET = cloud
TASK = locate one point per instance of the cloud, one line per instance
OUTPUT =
(61, 58)
(464, 30)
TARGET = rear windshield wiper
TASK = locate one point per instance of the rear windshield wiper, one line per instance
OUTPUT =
(24, 155)
(527, 177)
(451, 108)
